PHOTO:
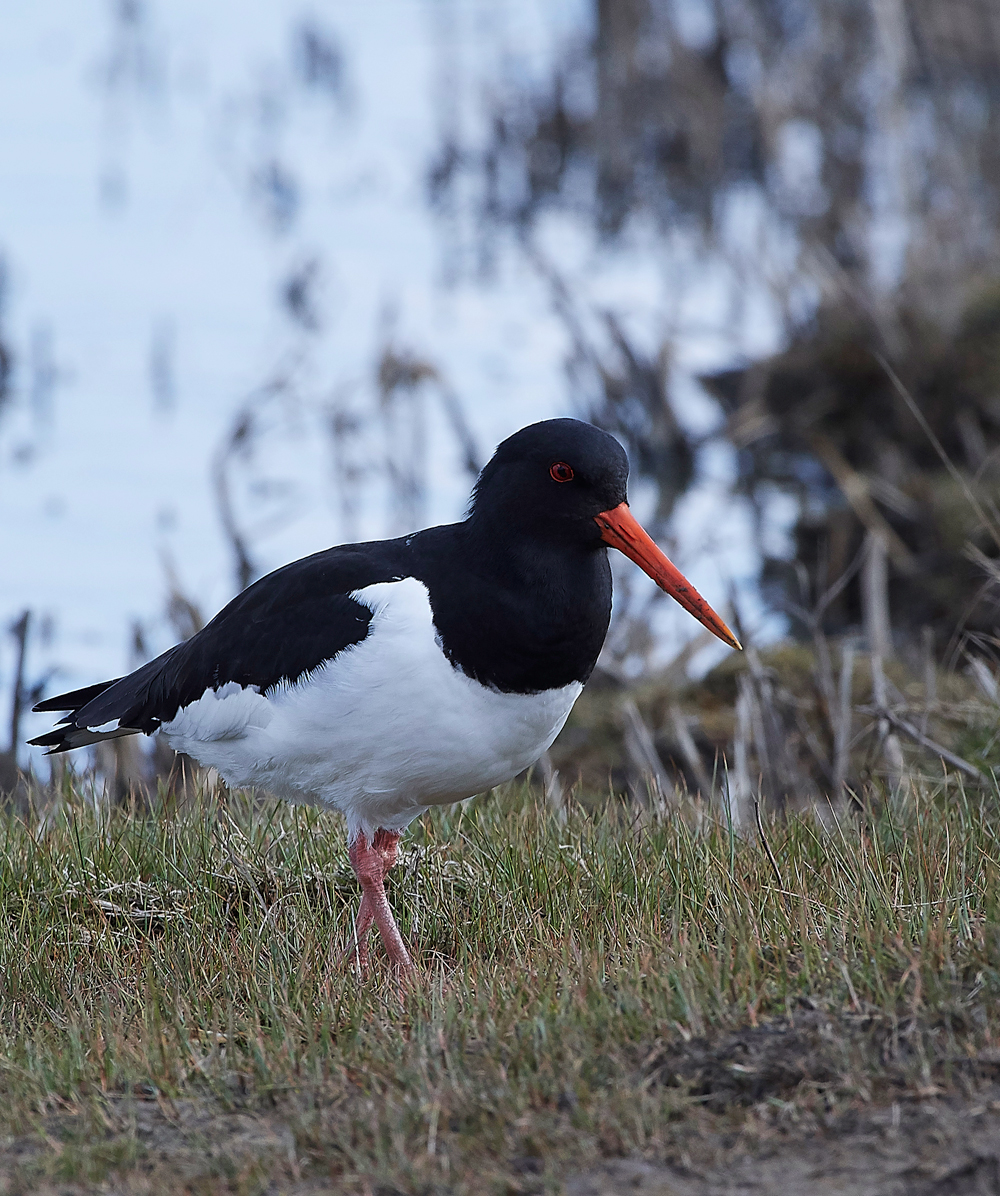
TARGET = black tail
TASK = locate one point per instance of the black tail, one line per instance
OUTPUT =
(70, 733)
(74, 699)
(105, 711)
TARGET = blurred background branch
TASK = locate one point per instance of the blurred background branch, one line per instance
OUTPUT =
(757, 240)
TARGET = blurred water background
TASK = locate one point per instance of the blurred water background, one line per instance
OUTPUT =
(280, 275)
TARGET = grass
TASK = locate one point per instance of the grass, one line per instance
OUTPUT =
(597, 989)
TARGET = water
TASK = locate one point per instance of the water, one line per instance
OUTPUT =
(166, 175)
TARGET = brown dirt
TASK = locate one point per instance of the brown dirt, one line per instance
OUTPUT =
(926, 1148)
(791, 1106)
(779, 1116)
(931, 1148)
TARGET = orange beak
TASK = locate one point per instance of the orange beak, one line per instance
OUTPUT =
(620, 529)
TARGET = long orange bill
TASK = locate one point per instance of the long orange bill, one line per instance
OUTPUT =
(621, 530)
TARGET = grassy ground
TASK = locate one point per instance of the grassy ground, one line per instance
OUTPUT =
(603, 1007)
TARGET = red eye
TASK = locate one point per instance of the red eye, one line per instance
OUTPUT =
(561, 472)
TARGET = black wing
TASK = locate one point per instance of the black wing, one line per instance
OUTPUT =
(277, 630)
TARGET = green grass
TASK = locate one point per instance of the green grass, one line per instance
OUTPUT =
(168, 1009)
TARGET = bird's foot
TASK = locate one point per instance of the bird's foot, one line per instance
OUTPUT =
(371, 863)
(357, 948)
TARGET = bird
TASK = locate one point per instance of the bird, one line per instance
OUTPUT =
(382, 678)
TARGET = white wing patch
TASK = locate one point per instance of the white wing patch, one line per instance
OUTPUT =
(85, 736)
(106, 728)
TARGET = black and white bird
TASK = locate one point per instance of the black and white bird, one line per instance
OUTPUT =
(381, 679)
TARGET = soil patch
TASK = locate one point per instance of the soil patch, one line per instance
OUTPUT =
(811, 1103)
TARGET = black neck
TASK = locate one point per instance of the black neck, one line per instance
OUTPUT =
(521, 613)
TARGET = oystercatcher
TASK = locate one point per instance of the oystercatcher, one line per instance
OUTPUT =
(380, 679)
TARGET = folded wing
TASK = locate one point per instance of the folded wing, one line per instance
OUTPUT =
(277, 630)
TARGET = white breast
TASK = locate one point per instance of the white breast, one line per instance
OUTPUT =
(386, 729)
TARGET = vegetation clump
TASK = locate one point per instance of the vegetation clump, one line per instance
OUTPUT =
(592, 989)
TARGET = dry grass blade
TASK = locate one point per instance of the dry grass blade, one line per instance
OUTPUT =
(988, 524)
(577, 978)
(924, 741)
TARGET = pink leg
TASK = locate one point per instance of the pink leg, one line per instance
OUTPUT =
(371, 863)
(362, 925)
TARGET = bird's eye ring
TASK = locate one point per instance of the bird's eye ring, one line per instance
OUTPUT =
(561, 472)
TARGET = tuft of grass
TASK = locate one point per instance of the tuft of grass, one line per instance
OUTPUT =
(169, 1010)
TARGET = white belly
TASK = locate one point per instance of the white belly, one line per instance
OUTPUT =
(381, 732)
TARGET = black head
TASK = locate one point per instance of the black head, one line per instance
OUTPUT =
(560, 486)
(551, 479)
